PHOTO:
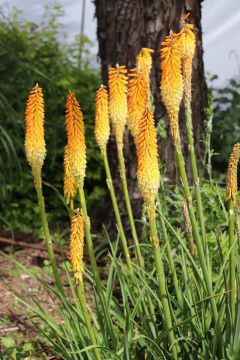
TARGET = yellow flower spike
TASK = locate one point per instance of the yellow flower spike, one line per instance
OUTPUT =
(102, 127)
(75, 138)
(232, 184)
(172, 81)
(34, 133)
(69, 183)
(147, 153)
(118, 102)
(188, 45)
(77, 244)
(138, 97)
(144, 59)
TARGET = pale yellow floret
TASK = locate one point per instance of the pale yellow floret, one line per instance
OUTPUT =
(147, 153)
(69, 183)
(172, 81)
(232, 183)
(144, 60)
(77, 244)
(118, 102)
(188, 44)
(102, 126)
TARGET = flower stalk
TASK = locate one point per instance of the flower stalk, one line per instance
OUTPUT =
(117, 215)
(162, 284)
(85, 311)
(148, 181)
(188, 44)
(171, 263)
(76, 257)
(172, 91)
(102, 132)
(35, 153)
(102, 136)
(118, 114)
(231, 197)
(48, 240)
(77, 162)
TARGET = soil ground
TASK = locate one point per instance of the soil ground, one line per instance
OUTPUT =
(14, 321)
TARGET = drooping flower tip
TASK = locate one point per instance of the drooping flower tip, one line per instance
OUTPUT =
(118, 101)
(75, 138)
(147, 153)
(102, 127)
(232, 184)
(138, 97)
(34, 129)
(77, 244)
(69, 183)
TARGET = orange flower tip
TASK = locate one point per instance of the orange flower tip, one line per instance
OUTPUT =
(144, 59)
(171, 81)
(75, 137)
(102, 128)
(34, 133)
(117, 78)
(146, 49)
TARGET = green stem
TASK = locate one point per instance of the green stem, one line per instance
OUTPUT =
(196, 235)
(170, 259)
(195, 176)
(93, 263)
(128, 206)
(232, 260)
(162, 285)
(48, 239)
(82, 299)
(121, 231)
(116, 212)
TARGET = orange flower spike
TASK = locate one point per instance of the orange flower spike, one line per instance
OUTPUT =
(75, 138)
(34, 132)
(172, 81)
(102, 127)
(69, 183)
(188, 45)
(144, 59)
(77, 244)
(138, 95)
(147, 153)
(118, 102)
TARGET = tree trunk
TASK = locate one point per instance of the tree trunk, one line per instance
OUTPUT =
(124, 27)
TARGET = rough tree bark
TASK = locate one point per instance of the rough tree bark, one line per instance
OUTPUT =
(123, 28)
